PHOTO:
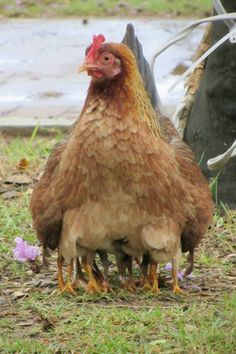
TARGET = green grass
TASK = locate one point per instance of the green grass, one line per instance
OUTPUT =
(31, 8)
(115, 323)
(199, 328)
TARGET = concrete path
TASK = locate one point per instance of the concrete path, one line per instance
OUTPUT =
(39, 61)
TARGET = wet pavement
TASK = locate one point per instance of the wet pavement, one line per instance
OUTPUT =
(39, 61)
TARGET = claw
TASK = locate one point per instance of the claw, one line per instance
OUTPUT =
(126, 286)
(93, 287)
(106, 287)
(65, 288)
(153, 280)
(155, 289)
(69, 289)
(177, 290)
(151, 288)
(146, 287)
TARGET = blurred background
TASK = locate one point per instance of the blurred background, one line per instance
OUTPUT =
(43, 42)
(34, 8)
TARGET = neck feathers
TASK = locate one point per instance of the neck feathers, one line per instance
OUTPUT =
(126, 93)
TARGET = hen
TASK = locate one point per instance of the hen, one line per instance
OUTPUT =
(118, 186)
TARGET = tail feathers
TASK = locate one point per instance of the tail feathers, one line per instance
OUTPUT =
(131, 40)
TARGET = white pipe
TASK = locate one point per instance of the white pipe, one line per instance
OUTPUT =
(187, 30)
(220, 161)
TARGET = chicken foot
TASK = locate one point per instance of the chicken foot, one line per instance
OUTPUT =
(149, 281)
(103, 277)
(153, 277)
(92, 286)
(175, 267)
(68, 286)
(105, 286)
(144, 281)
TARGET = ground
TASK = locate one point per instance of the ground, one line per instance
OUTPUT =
(36, 318)
(52, 8)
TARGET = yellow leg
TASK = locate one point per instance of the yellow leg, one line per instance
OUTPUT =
(105, 286)
(92, 286)
(60, 278)
(175, 267)
(153, 278)
(68, 288)
(176, 288)
(145, 283)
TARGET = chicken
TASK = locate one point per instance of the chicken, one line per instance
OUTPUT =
(118, 185)
(36, 207)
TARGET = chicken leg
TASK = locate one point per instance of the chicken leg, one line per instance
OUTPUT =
(105, 286)
(123, 261)
(175, 267)
(153, 277)
(68, 286)
(92, 286)
(103, 276)
(129, 265)
(60, 278)
(144, 281)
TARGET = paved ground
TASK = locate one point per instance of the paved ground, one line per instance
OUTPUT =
(39, 60)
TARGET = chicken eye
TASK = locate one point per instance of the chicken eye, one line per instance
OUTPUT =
(107, 58)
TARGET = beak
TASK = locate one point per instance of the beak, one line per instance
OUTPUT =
(85, 67)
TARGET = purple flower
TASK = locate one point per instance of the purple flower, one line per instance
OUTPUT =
(180, 275)
(24, 252)
(168, 267)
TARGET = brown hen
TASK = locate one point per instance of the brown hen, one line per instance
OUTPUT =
(117, 179)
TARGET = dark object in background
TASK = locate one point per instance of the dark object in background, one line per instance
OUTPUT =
(211, 128)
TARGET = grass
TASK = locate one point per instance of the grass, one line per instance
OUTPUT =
(34, 318)
(93, 329)
(32, 8)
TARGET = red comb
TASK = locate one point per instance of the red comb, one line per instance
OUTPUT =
(97, 42)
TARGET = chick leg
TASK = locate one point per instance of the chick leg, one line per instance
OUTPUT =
(105, 286)
(153, 277)
(60, 277)
(144, 281)
(92, 286)
(129, 265)
(121, 260)
(68, 287)
(104, 277)
(79, 280)
(175, 267)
